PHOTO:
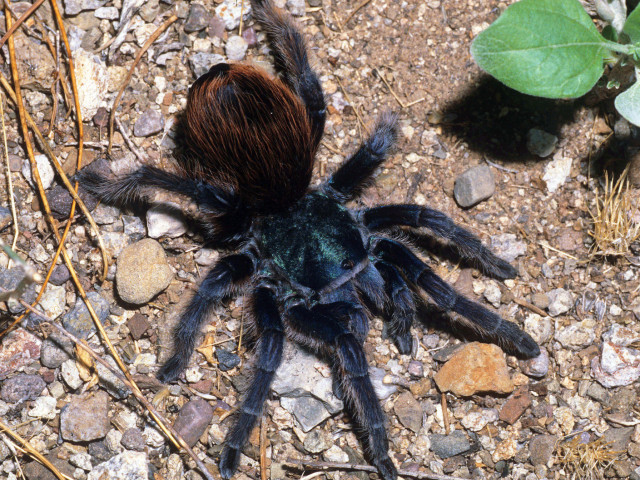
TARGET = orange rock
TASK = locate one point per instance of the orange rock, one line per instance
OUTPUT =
(478, 367)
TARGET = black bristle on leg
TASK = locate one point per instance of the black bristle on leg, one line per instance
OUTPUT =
(467, 244)
(217, 285)
(267, 359)
(355, 173)
(131, 190)
(401, 309)
(515, 340)
(319, 329)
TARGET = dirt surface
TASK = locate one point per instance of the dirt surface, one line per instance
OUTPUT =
(411, 57)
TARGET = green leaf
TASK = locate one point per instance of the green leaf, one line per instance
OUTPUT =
(610, 33)
(547, 48)
(628, 104)
(632, 26)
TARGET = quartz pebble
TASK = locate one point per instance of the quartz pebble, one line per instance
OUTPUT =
(560, 301)
(124, 466)
(236, 48)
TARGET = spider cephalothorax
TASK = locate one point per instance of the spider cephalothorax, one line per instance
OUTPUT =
(308, 263)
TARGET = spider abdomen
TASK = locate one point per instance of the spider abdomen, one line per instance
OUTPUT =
(251, 132)
(316, 243)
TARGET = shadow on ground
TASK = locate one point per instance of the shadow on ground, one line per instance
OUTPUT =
(494, 119)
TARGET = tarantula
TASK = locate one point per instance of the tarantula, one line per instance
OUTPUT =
(308, 263)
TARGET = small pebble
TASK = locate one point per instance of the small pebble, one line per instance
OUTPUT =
(415, 369)
(85, 418)
(126, 465)
(409, 411)
(230, 12)
(142, 272)
(317, 441)
(138, 325)
(70, 374)
(536, 367)
(515, 405)
(149, 123)
(541, 143)
(78, 320)
(507, 247)
(446, 446)
(60, 275)
(541, 448)
(308, 411)
(162, 222)
(201, 62)
(44, 169)
(132, 439)
(296, 7)
(474, 185)
(107, 13)
(22, 387)
(226, 360)
(540, 300)
(556, 173)
(236, 48)
(43, 407)
(560, 301)
(478, 367)
(198, 18)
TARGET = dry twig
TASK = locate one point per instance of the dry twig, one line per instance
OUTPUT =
(144, 48)
(12, 203)
(365, 468)
(126, 379)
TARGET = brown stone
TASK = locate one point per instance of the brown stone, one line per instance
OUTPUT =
(138, 324)
(478, 367)
(515, 405)
(193, 420)
(86, 418)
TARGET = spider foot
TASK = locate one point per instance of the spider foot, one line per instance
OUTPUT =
(404, 343)
(386, 468)
(229, 460)
(172, 369)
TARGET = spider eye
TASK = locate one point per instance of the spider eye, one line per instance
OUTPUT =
(347, 264)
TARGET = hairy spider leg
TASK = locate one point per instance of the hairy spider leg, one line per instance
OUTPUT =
(355, 173)
(219, 284)
(323, 325)
(516, 340)
(358, 319)
(467, 244)
(225, 221)
(291, 60)
(129, 190)
(400, 310)
(268, 357)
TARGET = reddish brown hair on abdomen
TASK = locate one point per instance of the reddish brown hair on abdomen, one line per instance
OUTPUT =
(249, 130)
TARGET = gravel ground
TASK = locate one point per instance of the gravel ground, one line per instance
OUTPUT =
(519, 172)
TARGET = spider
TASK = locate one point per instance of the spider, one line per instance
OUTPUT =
(314, 270)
